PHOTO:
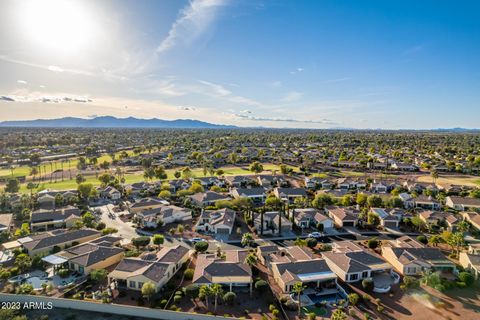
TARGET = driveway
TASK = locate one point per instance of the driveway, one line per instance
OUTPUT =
(111, 220)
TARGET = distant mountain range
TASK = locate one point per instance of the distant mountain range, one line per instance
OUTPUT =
(112, 122)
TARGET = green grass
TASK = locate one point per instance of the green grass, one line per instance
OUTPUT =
(319, 311)
(138, 177)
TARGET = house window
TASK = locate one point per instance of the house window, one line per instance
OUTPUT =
(132, 284)
(365, 274)
(353, 277)
(140, 285)
(80, 270)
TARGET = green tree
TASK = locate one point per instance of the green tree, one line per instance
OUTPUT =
(205, 293)
(298, 288)
(98, 275)
(247, 239)
(217, 292)
(201, 246)
(12, 186)
(23, 262)
(148, 290)
(338, 314)
(256, 167)
(158, 239)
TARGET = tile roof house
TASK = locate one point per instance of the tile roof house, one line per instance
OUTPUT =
(309, 217)
(207, 198)
(165, 214)
(157, 267)
(40, 244)
(100, 253)
(470, 262)
(258, 195)
(216, 221)
(352, 263)
(270, 223)
(6, 222)
(389, 218)
(43, 220)
(289, 195)
(410, 257)
(147, 204)
(296, 264)
(342, 216)
(229, 271)
(463, 204)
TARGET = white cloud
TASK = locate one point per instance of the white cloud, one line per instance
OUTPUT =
(55, 68)
(21, 82)
(297, 70)
(292, 96)
(194, 19)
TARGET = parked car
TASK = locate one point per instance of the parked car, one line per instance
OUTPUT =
(315, 235)
(195, 240)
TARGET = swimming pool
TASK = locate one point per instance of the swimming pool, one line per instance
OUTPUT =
(329, 298)
(37, 282)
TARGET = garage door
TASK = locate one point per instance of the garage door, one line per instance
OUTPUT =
(223, 230)
(390, 224)
(348, 224)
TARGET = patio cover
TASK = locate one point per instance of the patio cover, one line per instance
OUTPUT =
(316, 276)
(55, 260)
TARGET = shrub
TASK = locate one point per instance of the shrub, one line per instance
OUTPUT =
(291, 305)
(353, 298)
(466, 277)
(188, 274)
(367, 284)
(163, 303)
(63, 273)
(261, 285)
(372, 243)
(177, 299)
(201, 246)
(312, 242)
(229, 297)
(422, 239)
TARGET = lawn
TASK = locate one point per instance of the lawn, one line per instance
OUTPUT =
(138, 177)
(466, 180)
(319, 311)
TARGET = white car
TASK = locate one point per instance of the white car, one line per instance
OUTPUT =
(315, 235)
(195, 240)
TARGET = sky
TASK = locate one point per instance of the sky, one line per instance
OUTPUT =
(406, 64)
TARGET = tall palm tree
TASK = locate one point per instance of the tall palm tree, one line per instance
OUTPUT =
(217, 291)
(206, 292)
(262, 212)
(298, 288)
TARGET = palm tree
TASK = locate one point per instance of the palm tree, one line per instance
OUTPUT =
(298, 288)
(247, 239)
(206, 292)
(251, 259)
(33, 172)
(217, 291)
(434, 175)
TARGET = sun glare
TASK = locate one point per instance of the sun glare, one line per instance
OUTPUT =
(59, 25)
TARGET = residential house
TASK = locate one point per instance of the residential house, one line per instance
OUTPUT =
(155, 267)
(389, 218)
(288, 195)
(109, 193)
(43, 243)
(342, 216)
(256, 195)
(269, 181)
(463, 204)
(6, 222)
(270, 223)
(296, 264)
(470, 262)
(164, 215)
(309, 218)
(230, 270)
(410, 257)
(424, 202)
(317, 183)
(473, 218)
(352, 263)
(100, 253)
(240, 181)
(43, 220)
(208, 198)
(216, 221)
(147, 204)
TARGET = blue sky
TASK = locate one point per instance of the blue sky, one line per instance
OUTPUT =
(309, 64)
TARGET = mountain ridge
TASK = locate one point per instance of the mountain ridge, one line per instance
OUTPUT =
(113, 122)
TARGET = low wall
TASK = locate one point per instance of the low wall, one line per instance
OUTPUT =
(105, 308)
